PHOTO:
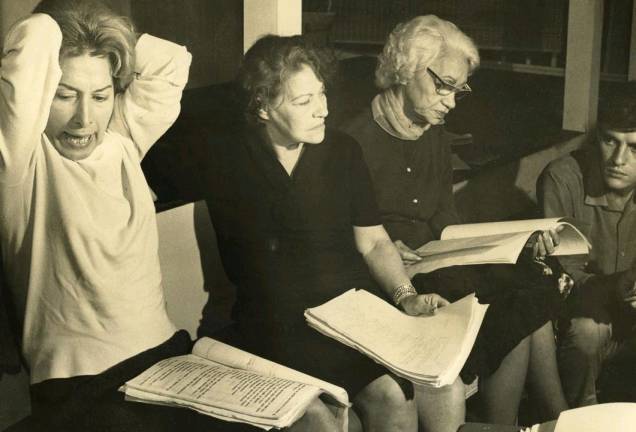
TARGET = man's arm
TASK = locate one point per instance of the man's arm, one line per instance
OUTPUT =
(556, 200)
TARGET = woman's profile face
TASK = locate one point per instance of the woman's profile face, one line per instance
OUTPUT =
(298, 114)
(423, 104)
(82, 106)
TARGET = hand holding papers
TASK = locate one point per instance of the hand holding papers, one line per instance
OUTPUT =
(428, 350)
(493, 243)
(233, 385)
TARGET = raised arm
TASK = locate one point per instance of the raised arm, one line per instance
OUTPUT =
(29, 76)
(152, 101)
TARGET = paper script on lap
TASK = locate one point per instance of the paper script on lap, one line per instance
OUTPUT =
(197, 380)
(236, 358)
(230, 384)
(428, 350)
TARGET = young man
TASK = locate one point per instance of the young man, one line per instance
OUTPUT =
(595, 186)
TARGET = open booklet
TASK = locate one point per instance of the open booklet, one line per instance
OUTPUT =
(493, 243)
(233, 385)
(609, 417)
(428, 350)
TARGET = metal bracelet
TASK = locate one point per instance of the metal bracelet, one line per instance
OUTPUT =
(403, 291)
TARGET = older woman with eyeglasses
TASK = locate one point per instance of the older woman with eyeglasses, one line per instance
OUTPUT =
(422, 72)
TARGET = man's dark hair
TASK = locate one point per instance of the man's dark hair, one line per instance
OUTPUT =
(617, 111)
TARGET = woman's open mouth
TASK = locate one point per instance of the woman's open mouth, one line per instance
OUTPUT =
(77, 141)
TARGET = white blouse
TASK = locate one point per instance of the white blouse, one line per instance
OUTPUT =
(79, 238)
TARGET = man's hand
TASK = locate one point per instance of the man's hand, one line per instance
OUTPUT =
(408, 255)
(631, 299)
(545, 243)
(423, 304)
(626, 287)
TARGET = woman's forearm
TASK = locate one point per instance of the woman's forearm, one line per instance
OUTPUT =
(386, 266)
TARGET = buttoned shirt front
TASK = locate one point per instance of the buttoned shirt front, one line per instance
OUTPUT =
(573, 186)
(413, 179)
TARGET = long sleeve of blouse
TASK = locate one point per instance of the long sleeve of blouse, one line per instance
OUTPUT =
(29, 75)
(151, 103)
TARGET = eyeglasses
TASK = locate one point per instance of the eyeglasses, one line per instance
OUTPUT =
(444, 88)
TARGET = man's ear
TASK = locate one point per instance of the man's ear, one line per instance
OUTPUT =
(262, 114)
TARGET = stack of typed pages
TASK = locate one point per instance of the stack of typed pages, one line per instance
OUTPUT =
(427, 349)
(230, 384)
(494, 243)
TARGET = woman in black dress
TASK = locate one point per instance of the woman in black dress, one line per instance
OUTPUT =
(297, 224)
(422, 71)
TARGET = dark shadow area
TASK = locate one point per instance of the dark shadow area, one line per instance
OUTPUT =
(222, 294)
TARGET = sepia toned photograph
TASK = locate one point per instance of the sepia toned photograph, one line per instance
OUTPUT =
(318, 215)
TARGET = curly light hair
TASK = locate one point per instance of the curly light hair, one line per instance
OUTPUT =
(89, 26)
(415, 44)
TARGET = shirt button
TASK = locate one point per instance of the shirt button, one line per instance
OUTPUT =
(408, 169)
(622, 253)
(415, 201)
(273, 244)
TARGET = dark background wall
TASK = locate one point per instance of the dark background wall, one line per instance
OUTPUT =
(211, 29)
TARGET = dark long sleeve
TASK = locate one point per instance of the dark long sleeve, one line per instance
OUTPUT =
(9, 351)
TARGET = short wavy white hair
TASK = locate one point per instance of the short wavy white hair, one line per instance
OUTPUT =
(415, 44)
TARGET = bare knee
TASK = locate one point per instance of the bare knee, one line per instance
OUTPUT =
(383, 406)
(384, 391)
(441, 409)
(317, 418)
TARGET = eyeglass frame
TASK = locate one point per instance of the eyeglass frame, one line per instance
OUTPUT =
(444, 88)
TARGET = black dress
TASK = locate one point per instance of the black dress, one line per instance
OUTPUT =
(286, 242)
(413, 184)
